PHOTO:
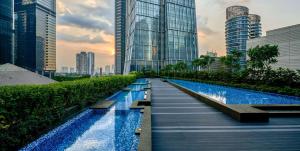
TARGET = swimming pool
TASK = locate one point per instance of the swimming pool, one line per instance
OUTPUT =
(230, 95)
(112, 129)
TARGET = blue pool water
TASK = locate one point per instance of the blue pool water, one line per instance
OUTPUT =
(141, 81)
(137, 87)
(92, 130)
(230, 95)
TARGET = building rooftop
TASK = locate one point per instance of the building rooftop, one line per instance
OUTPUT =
(14, 75)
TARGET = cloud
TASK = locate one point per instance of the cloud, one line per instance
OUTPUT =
(81, 39)
(94, 15)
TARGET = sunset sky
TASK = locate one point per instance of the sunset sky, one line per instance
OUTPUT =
(88, 25)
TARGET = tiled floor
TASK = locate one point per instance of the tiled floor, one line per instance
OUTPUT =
(180, 122)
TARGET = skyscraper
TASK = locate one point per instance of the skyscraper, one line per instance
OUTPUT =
(6, 31)
(120, 35)
(91, 63)
(36, 35)
(254, 26)
(85, 63)
(159, 33)
(82, 63)
(240, 26)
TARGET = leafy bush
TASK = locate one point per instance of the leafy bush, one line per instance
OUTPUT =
(70, 78)
(26, 112)
(283, 81)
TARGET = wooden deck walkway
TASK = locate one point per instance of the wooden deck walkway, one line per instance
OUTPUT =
(180, 122)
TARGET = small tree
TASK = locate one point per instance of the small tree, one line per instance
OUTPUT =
(181, 66)
(262, 57)
(232, 60)
(204, 62)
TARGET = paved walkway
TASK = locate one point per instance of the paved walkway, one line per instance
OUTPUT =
(180, 122)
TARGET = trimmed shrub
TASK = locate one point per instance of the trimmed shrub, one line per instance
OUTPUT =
(26, 112)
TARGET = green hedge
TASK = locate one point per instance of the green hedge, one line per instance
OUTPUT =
(264, 88)
(70, 78)
(279, 81)
(26, 112)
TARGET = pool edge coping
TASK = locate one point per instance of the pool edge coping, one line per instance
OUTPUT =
(242, 113)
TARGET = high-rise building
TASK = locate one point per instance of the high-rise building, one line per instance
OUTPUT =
(64, 69)
(107, 69)
(91, 63)
(254, 26)
(35, 26)
(159, 33)
(240, 26)
(120, 35)
(72, 70)
(85, 63)
(81, 63)
(288, 41)
(6, 31)
(112, 71)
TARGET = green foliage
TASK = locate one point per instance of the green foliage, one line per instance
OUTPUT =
(204, 62)
(232, 61)
(70, 78)
(283, 81)
(26, 112)
(180, 66)
(262, 57)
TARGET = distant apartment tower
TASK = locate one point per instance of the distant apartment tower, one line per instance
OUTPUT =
(240, 26)
(82, 63)
(120, 35)
(35, 26)
(107, 69)
(85, 63)
(64, 69)
(72, 70)
(160, 32)
(91, 63)
(288, 41)
(6, 31)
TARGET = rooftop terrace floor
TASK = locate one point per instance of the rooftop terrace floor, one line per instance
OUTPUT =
(181, 122)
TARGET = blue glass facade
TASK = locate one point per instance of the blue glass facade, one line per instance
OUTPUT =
(36, 35)
(160, 33)
(120, 35)
(240, 26)
(6, 31)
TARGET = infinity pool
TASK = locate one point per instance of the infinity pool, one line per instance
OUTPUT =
(92, 130)
(230, 95)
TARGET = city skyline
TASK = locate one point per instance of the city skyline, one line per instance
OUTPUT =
(96, 31)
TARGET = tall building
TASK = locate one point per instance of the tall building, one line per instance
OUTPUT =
(91, 63)
(35, 26)
(64, 69)
(120, 35)
(72, 70)
(82, 63)
(85, 63)
(254, 26)
(107, 69)
(288, 41)
(240, 26)
(159, 33)
(6, 31)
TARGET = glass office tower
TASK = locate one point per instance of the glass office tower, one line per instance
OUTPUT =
(160, 33)
(120, 35)
(241, 26)
(6, 31)
(35, 26)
